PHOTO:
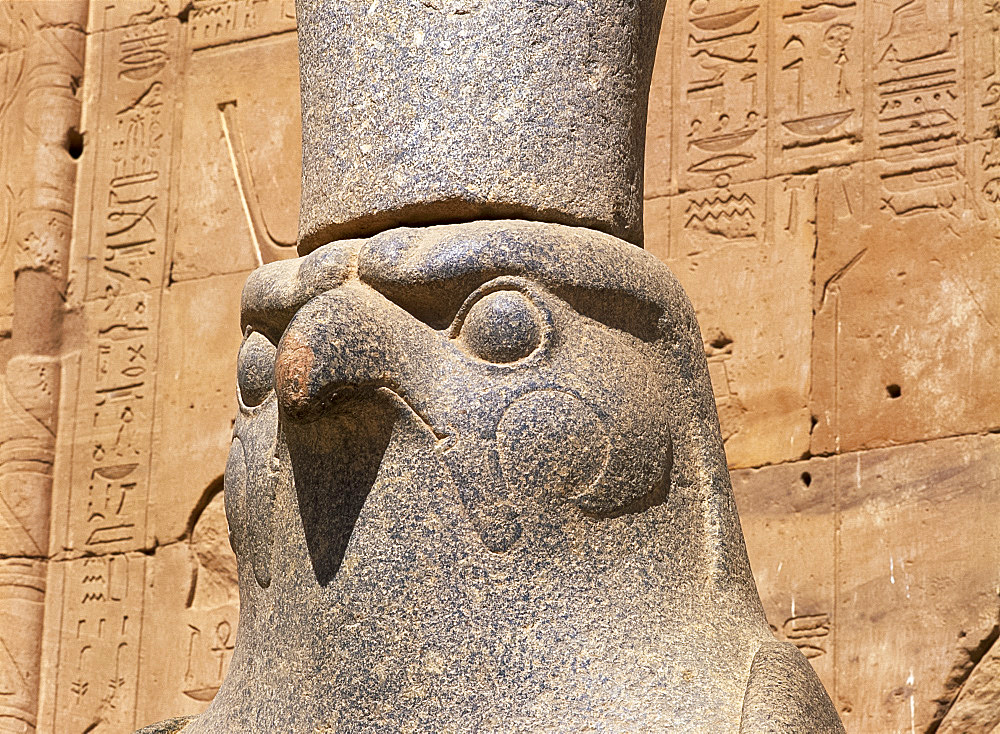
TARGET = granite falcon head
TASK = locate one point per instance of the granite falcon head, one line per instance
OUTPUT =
(533, 404)
(478, 485)
(477, 482)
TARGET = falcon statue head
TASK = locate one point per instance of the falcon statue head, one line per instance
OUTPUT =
(477, 484)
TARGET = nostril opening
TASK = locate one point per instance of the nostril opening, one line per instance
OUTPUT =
(893, 390)
(806, 478)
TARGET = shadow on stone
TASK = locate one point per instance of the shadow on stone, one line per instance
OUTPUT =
(335, 460)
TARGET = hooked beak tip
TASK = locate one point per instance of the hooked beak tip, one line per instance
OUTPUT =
(292, 369)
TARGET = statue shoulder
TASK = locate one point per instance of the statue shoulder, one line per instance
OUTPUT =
(784, 695)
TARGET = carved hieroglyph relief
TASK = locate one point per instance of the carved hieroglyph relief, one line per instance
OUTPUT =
(123, 229)
(41, 66)
(829, 157)
(104, 660)
(862, 299)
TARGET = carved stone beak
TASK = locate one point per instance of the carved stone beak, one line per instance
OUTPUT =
(351, 339)
(503, 395)
(380, 350)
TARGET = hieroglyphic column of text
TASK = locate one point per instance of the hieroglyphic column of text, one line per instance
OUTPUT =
(135, 59)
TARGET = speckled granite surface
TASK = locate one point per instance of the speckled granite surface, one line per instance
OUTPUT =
(477, 484)
(455, 110)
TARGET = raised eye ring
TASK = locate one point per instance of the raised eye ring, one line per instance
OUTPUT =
(255, 369)
(501, 324)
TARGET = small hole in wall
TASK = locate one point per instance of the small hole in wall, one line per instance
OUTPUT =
(893, 391)
(807, 478)
(74, 143)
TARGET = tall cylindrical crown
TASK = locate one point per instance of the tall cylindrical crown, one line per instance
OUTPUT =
(433, 111)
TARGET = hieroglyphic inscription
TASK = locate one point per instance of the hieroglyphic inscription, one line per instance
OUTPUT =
(808, 632)
(918, 106)
(986, 163)
(718, 351)
(727, 213)
(214, 22)
(720, 125)
(128, 243)
(816, 83)
(212, 608)
(985, 81)
(208, 649)
(99, 643)
(193, 592)
(732, 213)
(128, 217)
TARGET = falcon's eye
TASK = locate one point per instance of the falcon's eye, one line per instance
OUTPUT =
(255, 369)
(502, 326)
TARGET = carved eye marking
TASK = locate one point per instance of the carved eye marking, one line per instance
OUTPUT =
(553, 440)
(255, 369)
(501, 327)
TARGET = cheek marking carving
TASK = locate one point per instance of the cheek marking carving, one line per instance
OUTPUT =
(235, 494)
(552, 440)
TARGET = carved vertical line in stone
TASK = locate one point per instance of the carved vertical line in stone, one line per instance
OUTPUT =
(227, 115)
(266, 247)
(41, 145)
(837, 517)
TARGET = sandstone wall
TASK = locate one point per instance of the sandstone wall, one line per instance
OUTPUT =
(823, 177)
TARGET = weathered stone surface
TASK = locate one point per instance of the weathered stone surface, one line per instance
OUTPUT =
(403, 506)
(907, 300)
(787, 513)
(937, 509)
(194, 414)
(757, 337)
(170, 726)
(240, 161)
(977, 707)
(191, 585)
(456, 110)
(657, 168)
(874, 564)
(22, 592)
